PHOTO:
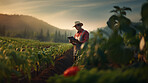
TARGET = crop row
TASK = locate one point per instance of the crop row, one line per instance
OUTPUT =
(19, 56)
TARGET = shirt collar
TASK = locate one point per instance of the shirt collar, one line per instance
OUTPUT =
(80, 31)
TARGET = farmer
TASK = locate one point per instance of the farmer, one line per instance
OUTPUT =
(81, 37)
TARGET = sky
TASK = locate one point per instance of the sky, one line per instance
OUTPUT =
(63, 13)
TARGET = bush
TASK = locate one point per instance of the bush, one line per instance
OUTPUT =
(124, 75)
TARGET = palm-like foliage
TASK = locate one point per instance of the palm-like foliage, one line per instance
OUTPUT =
(144, 14)
(119, 21)
(121, 11)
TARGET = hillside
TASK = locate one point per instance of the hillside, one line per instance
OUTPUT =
(19, 23)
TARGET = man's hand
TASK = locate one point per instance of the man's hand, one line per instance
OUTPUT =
(70, 41)
(76, 41)
(73, 41)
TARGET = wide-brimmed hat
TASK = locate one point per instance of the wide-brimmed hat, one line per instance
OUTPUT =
(78, 22)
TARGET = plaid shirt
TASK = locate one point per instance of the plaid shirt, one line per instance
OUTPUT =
(85, 35)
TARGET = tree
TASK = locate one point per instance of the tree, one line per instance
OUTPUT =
(41, 36)
(55, 36)
(2, 30)
(119, 22)
(59, 36)
(47, 36)
(41, 32)
(8, 34)
(65, 37)
(25, 33)
(144, 14)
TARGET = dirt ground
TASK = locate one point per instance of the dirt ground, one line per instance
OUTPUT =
(61, 64)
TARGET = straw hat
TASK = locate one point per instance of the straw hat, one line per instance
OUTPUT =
(78, 22)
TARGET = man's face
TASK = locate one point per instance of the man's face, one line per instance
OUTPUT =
(78, 27)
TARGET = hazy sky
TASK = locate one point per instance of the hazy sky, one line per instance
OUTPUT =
(63, 13)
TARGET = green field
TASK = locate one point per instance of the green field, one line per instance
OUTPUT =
(20, 56)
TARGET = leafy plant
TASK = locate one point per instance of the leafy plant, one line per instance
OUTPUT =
(130, 75)
(20, 56)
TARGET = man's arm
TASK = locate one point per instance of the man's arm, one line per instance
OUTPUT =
(72, 41)
(85, 37)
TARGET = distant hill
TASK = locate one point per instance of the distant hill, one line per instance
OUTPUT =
(19, 23)
(29, 27)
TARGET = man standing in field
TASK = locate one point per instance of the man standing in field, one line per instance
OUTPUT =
(81, 37)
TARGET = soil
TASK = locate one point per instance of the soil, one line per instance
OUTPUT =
(61, 64)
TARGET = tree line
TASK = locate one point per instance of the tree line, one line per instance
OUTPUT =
(41, 35)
